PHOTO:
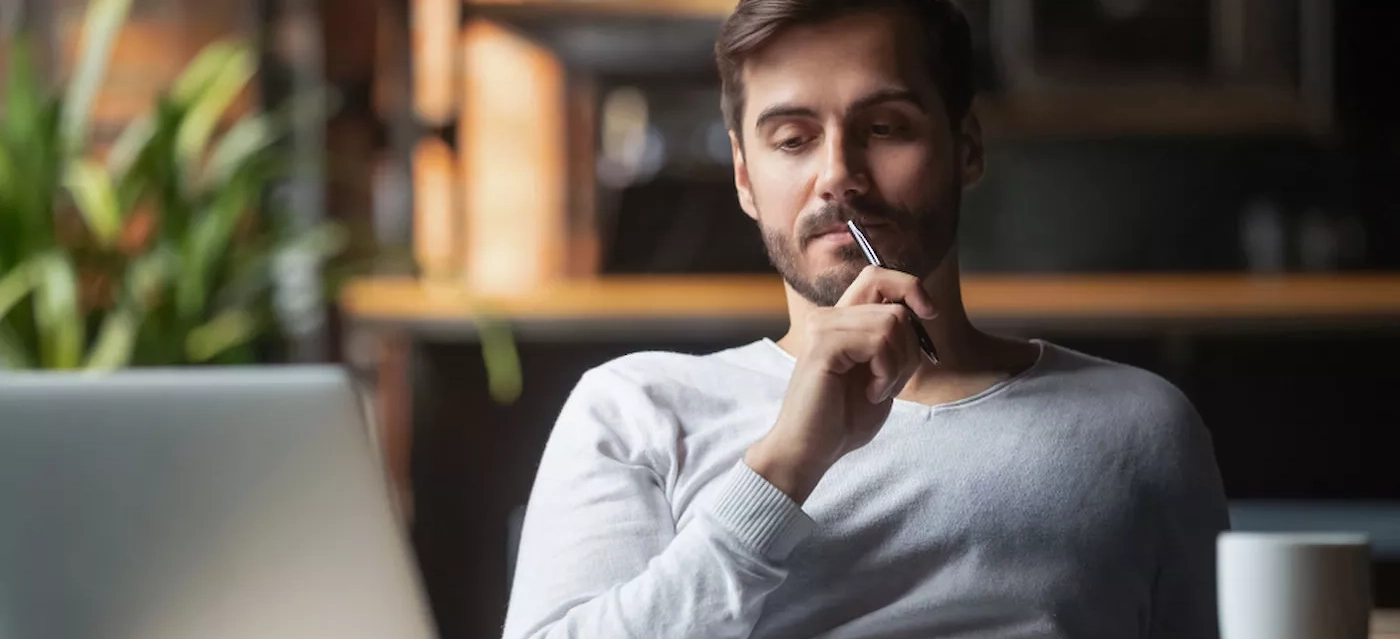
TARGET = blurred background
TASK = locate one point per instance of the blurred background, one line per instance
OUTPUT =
(471, 202)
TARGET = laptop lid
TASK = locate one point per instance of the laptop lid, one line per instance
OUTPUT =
(208, 503)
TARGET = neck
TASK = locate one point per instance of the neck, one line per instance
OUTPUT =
(963, 349)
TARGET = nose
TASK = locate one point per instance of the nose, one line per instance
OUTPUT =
(844, 175)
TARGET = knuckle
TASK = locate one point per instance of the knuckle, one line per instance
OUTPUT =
(890, 321)
(907, 284)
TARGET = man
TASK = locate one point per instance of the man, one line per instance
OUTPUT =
(837, 483)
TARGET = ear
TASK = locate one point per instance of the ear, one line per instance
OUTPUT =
(972, 154)
(741, 177)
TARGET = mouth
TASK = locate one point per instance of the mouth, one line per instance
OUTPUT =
(838, 234)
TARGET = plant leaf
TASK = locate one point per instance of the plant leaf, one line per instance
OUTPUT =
(253, 134)
(502, 360)
(209, 105)
(57, 313)
(12, 354)
(100, 27)
(200, 72)
(158, 170)
(28, 130)
(242, 141)
(228, 329)
(16, 283)
(147, 276)
(96, 198)
(206, 245)
(143, 288)
(128, 146)
(7, 176)
(116, 340)
(10, 232)
(23, 98)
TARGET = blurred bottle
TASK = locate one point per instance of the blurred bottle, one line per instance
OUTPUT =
(1318, 242)
(1263, 237)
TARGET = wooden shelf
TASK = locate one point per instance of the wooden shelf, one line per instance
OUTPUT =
(716, 9)
(1161, 109)
(1077, 302)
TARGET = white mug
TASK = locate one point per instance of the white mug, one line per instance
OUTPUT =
(1294, 585)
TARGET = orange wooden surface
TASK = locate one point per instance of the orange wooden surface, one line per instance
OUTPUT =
(1186, 297)
(696, 8)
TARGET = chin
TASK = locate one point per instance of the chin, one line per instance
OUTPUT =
(836, 266)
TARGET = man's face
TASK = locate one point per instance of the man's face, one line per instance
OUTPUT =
(841, 121)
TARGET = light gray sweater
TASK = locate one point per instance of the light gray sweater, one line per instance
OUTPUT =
(1079, 499)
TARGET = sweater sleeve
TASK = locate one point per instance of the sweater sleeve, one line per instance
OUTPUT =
(600, 554)
(1193, 512)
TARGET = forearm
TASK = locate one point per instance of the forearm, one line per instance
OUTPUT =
(710, 581)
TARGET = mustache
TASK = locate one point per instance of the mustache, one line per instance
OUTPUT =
(837, 213)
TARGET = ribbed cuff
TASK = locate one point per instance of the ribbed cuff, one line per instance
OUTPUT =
(760, 516)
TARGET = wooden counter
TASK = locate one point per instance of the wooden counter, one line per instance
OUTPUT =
(1062, 302)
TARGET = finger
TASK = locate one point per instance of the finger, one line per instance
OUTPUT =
(876, 285)
(896, 355)
(902, 348)
(876, 336)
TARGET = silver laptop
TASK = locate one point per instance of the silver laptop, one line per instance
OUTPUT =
(197, 503)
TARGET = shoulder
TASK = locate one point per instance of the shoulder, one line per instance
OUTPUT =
(1122, 385)
(1131, 396)
(639, 405)
(1150, 417)
(632, 383)
(652, 382)
(662, 373)
(614, 412)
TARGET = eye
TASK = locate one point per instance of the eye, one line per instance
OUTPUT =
(791, 144)
(882, 129)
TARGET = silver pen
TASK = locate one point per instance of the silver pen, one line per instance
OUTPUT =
(925, 342)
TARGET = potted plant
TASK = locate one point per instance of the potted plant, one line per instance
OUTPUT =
(165, 253)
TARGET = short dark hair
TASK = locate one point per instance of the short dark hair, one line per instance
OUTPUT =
(946, 45)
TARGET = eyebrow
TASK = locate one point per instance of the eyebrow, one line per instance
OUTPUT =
(882, 96)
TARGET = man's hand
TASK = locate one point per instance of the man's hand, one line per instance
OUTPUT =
(857, 357)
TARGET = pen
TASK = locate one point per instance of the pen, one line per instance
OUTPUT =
(925, 343)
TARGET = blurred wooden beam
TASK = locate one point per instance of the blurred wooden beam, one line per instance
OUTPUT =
(683, 8)
(1073, 301)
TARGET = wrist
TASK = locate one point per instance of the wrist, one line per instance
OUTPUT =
(787, 468)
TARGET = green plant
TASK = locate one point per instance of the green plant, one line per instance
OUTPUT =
(163, 254)
(166, 253)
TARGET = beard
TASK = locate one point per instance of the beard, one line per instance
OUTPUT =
(925, 238)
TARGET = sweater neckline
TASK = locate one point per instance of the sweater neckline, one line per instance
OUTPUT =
(1043, 348)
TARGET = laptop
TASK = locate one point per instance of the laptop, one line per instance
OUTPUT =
(211, 503)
